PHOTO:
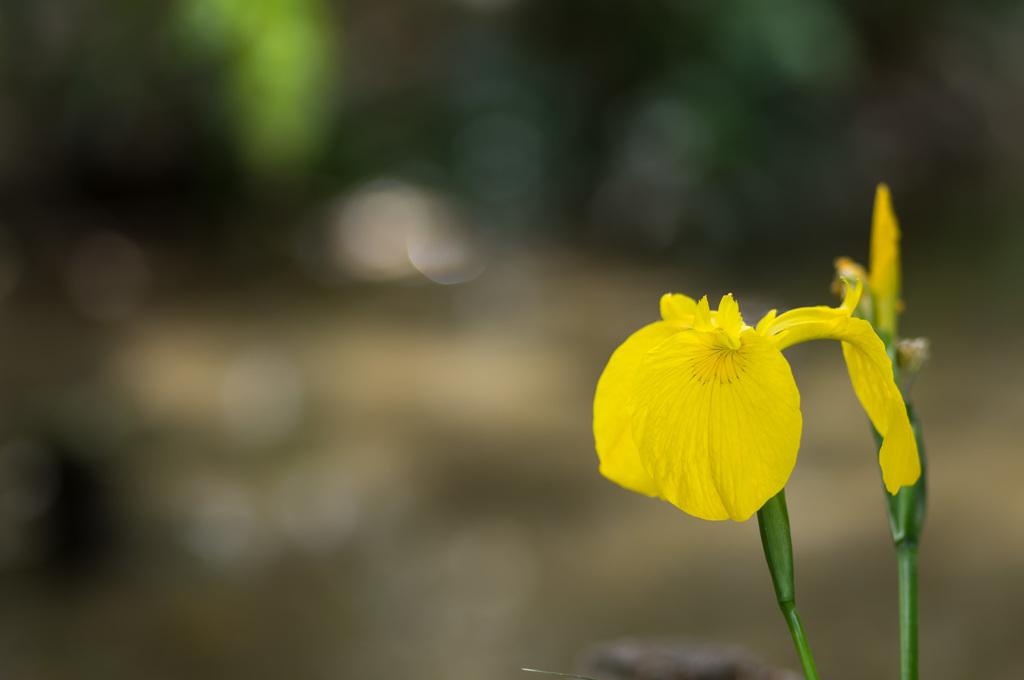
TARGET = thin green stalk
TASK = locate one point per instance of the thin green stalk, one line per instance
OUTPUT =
(906, 518)
(803, 648)
(773, 522)
(906, 555)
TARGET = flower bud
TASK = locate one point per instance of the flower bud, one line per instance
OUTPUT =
(885, 265)
(911, 356)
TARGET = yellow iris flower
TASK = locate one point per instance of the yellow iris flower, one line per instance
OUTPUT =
(701, 409)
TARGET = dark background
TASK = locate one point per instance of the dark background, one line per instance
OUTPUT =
(302, 305)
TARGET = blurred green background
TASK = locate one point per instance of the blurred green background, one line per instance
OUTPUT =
(302, 305)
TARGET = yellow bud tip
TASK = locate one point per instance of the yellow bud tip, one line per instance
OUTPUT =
(885, 261)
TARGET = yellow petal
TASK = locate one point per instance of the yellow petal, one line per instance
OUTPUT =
(702, 317)
(717, 429)
(765, 323)
(885, 261)
(613, 433)
(871, 374)
(676, 307)
(728, 317)
(811, 323)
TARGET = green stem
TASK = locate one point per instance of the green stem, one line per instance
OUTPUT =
(803, 648)
(773, 522)
(906, 517)
(906, 556)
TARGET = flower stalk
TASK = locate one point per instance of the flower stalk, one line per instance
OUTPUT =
(773, 523)
(906, 508)
(906, 558)
(906, 518)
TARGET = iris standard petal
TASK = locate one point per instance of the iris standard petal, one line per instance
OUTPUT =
(702, 316)
(728, 317)
(613, 432)
(717, 429)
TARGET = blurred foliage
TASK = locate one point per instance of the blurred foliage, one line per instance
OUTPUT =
(657, 124)
(278, 68)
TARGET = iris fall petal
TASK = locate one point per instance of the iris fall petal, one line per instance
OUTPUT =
(613, 432)
(716, 428)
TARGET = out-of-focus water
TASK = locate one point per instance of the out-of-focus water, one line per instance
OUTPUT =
(398, 481)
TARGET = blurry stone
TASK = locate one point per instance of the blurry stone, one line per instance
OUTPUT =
(674, 659)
